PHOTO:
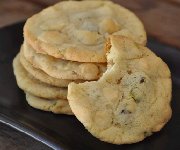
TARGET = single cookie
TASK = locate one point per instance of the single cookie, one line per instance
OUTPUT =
(28, 83)
(77, 31)
(59, 106)
(63, 69)
(132, 98)
(42, 76)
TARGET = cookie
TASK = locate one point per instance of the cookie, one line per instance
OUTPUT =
(42, 76)
(28, 83)
(59, 106)
(63, 69)
(132, 98)
(77, 30)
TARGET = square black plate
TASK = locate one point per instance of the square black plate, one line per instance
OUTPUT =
(65, 132)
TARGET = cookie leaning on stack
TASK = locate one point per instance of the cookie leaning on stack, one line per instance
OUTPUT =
(132, 98)
(65, 43)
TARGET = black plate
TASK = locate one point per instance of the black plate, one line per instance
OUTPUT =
(65, 132)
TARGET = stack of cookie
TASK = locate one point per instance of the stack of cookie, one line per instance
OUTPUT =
(65, 43)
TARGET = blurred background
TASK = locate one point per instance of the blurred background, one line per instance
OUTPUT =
(160, 17)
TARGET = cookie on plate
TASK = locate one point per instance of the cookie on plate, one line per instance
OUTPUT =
(57, 106)
(28, 83)
(42, 76)
(77, 30)
(132, 98)
(62, 69)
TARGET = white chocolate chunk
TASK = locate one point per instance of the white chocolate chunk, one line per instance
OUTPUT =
(53, 37)
(88, 37)
(87, 70)
(108, 26)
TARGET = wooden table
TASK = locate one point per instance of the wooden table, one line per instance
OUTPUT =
(160, 17)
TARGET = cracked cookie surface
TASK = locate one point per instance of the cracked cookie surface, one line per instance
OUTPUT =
(77, 31)
(132, 98)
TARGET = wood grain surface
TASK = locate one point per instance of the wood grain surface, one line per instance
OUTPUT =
(160, 17)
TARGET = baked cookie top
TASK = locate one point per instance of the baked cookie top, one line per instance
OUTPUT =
(132, 98)
(77, 31)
